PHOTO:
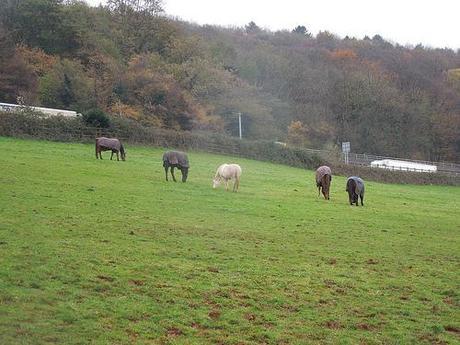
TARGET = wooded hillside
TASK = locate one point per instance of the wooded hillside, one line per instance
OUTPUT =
(129, 59)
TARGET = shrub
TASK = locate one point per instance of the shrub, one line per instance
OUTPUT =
(96, 118)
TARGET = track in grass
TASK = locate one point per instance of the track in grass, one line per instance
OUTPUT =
(108, 252)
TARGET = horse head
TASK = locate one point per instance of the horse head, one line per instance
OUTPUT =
(215, 182)
(123, 153)
(184, 171)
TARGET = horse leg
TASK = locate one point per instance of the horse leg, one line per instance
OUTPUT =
(118, 159)
(172, 174)
(111, 156)
(96, 153)
(362, 199)
(166, 172)
(237, 185)
(319, 190)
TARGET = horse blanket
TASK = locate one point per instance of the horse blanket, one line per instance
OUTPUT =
(320, 172)
(175, 158)
(109, 143)
(359, 190)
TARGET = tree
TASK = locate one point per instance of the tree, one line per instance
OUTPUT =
(96, 118)
(66, 86)
(39, 23)
(252, 28)
(301, 30)
(139, 25)
(16, 76)
(297, 134)
(127, 7)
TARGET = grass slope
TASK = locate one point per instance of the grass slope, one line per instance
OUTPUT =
(106, 252)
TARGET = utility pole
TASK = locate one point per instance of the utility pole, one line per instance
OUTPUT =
(239, 123)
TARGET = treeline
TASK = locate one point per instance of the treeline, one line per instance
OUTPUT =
(130, 60)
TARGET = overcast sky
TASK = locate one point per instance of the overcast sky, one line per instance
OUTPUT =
(433, 23)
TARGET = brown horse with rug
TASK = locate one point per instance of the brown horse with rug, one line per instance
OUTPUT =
(109, 144)
(323, 180)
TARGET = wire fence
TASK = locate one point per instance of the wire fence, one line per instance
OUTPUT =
(367, 159)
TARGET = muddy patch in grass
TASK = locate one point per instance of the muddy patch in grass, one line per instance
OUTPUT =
(332, 324)
(213, 269)
(173, 332)
(453, 329)
(332, 261)
(431, 339)
(365, 326)
(250, 317)
(136, 282)
(214, 314)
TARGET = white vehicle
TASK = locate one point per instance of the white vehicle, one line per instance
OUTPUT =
(393, 164)
(46, 111)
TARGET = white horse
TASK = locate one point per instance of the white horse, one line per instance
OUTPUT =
(228, 172)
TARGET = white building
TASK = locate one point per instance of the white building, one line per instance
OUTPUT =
(393, 164)
(46, 111)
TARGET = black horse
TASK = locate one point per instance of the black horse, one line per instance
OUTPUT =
(355, 189)
(176, 159)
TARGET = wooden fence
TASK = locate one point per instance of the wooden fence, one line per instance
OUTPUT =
(74, 130)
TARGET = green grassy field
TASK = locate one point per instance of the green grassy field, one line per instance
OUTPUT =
(106, 252)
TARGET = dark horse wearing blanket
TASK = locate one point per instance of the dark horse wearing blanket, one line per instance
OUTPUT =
(323, 180)
(109, 144)
(176, 159)
(355, 189)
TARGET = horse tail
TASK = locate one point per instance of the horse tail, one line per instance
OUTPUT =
(351, 186)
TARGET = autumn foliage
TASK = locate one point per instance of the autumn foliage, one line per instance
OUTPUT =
(129, 61)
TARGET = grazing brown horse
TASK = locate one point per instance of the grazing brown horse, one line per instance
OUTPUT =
(355, 189)
(109, 144)
(176, 159)
(323, 180)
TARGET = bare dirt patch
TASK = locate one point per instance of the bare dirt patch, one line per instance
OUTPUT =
(214, 314)
(365, 327)
(136, 282)
(453, 329)
(173, 332)
(332, 324)
(250, 317)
